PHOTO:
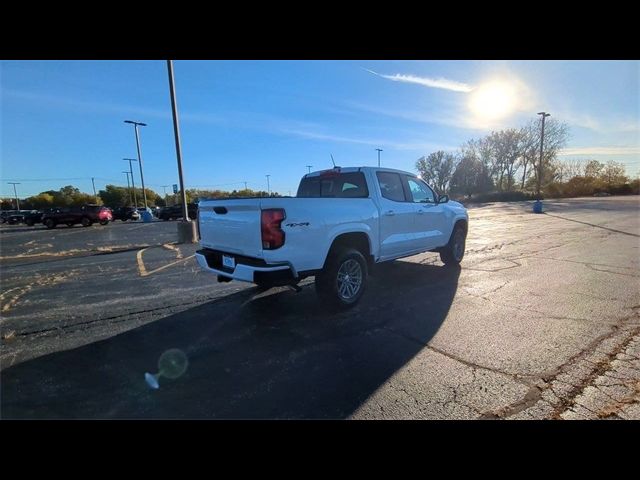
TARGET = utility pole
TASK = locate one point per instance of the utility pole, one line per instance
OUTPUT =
(136, 124)
(128, 186)
(164, 189)
(268, 186)
(15, 192)
(94, 188)
(544, 115)
(379, 150)
(245, 185)
(133, 184)
(309, 167)
(187, 232)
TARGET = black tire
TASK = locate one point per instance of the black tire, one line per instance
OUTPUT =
(453, 252)
(331, 291)
(123, 219)
(50, 223)
(29, 222)
(70, 224)
(86, 222)
(104, 222)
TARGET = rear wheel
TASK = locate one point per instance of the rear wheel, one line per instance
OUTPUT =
(342, 282)
(29, 222)
(50, 223)
(86, 222)
(453, 252)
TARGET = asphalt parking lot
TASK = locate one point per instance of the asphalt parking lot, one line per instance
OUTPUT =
(541, 321)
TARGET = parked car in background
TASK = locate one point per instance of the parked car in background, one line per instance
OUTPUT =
(175, 211)
(86, 215)
(125, 213)
(13, 216)
(35, 216)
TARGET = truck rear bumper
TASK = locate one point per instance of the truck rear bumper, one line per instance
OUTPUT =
(245, 272)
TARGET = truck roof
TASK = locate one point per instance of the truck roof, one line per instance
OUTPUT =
(358, 169)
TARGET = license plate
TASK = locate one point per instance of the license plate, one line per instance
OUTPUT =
(228, 261)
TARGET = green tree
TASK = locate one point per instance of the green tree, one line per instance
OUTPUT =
(437, 169)
(114, 196)
(41, 201)
(471, 176)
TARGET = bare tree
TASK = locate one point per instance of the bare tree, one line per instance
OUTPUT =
(530, 147)
(593, 169)
(614, 173)
(556, 135)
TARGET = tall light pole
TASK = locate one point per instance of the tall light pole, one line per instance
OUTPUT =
(15, 192)
(176, 132)
(245, 185)
(133, 183)
(135, 125)
(309, 167)
(268, 186)
(379, 150)
(544, 115)
(187, 229)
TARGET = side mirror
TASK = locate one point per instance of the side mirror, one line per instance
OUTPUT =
(443, 199)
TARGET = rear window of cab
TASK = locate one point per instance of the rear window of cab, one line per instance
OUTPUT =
(334, 185)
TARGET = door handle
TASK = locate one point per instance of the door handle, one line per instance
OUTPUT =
(390, 213)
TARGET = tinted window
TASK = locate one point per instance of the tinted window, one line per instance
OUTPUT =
(334, 185)
(420, 192)
(391, 186)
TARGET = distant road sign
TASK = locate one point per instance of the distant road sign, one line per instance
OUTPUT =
(175, 188)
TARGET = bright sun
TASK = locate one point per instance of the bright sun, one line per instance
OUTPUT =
(493, 100)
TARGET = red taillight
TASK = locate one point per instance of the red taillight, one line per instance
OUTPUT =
(272, 234)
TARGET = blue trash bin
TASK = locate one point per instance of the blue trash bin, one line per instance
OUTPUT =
(147, 216)
(537, 206)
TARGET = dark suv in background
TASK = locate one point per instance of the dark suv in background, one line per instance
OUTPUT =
(85, 215)
(174, 212)
(126, 213)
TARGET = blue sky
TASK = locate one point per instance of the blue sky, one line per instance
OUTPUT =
(62, 121)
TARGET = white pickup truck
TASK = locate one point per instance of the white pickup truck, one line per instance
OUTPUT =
(341, 222)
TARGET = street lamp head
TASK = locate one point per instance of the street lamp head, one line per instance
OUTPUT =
(544, 113)
(130, 159)
(135, 123)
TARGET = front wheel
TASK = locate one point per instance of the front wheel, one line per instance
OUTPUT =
(86, 222)
(342, 282)
(50, 223)
(29, 222)
(453, 252)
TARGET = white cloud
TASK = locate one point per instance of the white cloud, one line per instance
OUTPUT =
(442, 83)
(619, 150)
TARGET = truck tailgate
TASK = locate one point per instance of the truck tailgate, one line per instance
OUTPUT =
(231, 226)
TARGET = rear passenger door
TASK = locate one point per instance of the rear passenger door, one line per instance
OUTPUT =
(429, 221)
(396, 217)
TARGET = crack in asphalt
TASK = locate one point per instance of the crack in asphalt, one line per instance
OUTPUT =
(567, 401)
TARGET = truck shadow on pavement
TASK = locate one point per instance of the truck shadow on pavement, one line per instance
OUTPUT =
(279, 356)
